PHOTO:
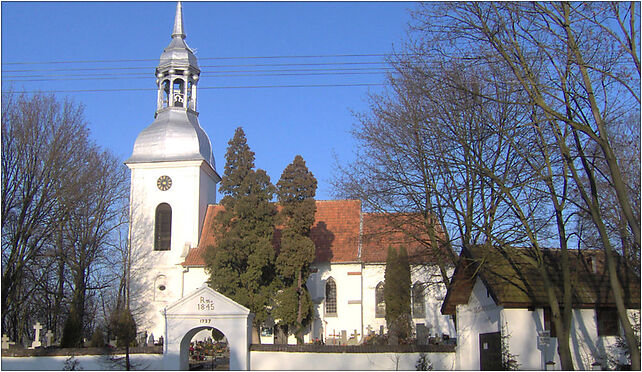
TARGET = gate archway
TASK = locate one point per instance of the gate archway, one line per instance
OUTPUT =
(205, 308)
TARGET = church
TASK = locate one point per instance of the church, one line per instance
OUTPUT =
(173, 204)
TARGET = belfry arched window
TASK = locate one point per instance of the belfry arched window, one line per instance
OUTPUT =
(380, 303)
(163, 228)
(165, 93)
(330, 298)
(418, 301)
(190, 104)
(178, 96)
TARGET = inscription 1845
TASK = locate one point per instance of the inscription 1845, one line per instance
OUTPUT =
(205, 304)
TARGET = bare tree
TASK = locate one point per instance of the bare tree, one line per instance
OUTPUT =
(578, 65)
(60, 197)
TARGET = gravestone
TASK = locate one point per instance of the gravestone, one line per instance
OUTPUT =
(354, 338)
(36, 342)
(380, 330)
(6, 344)
(150, 341)
(422, 334)
(160, 341)
(344, 337)
(114, 342)
(49, 338)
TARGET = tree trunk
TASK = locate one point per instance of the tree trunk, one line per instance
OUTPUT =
(127, 365)
(299, 317)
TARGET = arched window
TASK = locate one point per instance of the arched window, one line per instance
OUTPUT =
(380, 309)
(165, 93)
(178, 93)
(163, 228)
(330, 298)
(190, 104)
(418, 302)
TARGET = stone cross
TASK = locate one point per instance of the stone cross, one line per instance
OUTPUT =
(369, 329)
(5, 342)
(48, 338)
(36, 342)
(354, 338)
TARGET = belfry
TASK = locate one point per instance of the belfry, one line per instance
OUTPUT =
(173, 180)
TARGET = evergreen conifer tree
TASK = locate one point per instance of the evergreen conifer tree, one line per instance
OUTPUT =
(396, 294)
(296, 190)
(241, 265)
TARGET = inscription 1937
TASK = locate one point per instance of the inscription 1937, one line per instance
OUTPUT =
(205, 304)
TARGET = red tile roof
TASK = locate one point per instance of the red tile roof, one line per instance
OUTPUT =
(383, 230)
(336, 232)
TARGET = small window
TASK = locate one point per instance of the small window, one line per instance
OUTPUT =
(549, 325)
(380, 309)
(330, 298)
(160, 292)
(607, 322)
(418, 301)
(163, 228)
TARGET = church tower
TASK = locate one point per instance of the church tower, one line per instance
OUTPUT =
(173, 179)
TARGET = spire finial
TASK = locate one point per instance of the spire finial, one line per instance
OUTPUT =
(178, 22)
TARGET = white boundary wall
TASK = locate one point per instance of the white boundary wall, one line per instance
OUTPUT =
(275, 360)
(86, 362)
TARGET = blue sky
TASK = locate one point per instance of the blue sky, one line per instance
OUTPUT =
(279, 122)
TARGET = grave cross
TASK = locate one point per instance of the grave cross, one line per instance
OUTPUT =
(369, 329)
(5, 342)
(355, 335)
(49, 338)
(36, 342)
(334, 336)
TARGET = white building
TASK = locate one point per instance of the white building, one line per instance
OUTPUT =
(499, 298)
(173, 196)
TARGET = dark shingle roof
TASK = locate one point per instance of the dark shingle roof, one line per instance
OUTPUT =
(514, 282)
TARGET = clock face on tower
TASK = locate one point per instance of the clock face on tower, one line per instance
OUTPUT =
(164, 183)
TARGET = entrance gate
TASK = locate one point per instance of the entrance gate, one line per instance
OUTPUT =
(206, 308)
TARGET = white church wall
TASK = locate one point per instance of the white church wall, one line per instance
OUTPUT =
(479, 315)
(270, 360)
(373, 274)
(193, 278)
(148, 265)
(434, 294)
(207, 195)
(347, 277)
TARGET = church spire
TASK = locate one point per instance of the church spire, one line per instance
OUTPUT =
(178, 22)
